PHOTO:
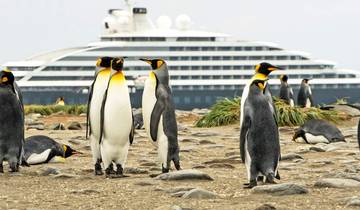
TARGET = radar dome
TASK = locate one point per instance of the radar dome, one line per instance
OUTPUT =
(164, 22)
(183, 22)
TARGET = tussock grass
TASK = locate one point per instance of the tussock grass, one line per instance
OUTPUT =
(51, 109)
(227, 111)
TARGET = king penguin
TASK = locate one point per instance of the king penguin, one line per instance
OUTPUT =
(286, 92)
(117, 128)
(262, 72)
(159, 114)
(11, 123)
(42, 149)
(305, 98)
(96, 94)
(259, 136)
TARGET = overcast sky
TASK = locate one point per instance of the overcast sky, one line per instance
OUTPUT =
(328, 29)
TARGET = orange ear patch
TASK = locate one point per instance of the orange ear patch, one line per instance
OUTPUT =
(4, 79)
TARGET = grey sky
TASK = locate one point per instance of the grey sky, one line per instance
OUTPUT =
(328, 29)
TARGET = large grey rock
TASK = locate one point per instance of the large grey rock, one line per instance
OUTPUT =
(347, 109)
(281, 189)
(189, 174)
(353, 202)
(48, 171)
(337, 183)
(291, 156)
(265, 207)
(200, 193)
(135, 171)
(36, 126)
(74, 126)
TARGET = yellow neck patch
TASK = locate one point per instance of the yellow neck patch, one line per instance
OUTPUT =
(104, 72)
(152, 78)
(118, 78)
(65, 148)
(259, 76)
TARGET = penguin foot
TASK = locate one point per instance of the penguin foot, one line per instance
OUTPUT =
(98, 170)
(119, 170)
(250, 185)
(164, 170)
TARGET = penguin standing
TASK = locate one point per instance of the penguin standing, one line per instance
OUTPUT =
(159, 114)
(11, 123)
(259, 136)
(262, 72)
(117, 129)
(286, 92)
(305, 98)
(96, 95)
(42, 149)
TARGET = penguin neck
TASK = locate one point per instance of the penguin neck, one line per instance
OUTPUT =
(162, 75)
(259, 76)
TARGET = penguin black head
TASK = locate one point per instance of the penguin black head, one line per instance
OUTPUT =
(284, 78)
(306, 81)
(117, 64)
(155, 63)
(266, 68)
(260, 83)
(7, 77)
(68, 151)
(104, 62)
(299, 133)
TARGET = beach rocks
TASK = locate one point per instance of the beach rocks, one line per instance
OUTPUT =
(57, 126)
(199, 194)
(188, 174)
(291, 156)
(36, 126)
(74, 126)
(337, 183)
(353, 202)
(266, 207)
(281, 189)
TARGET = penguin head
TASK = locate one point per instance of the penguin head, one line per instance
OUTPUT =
(155, 63)
(104, 62)
(6, 77)
(284, 78)
(305, 81)
(266, 68)
(299, 133)
(117, 64)
(259, 83)
(68, 151)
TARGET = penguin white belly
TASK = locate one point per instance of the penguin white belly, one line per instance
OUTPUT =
(244, 96)
(292, 104)
(148, 103)
(247, 159)
(316, 139)
(38, 158)
(96, 101)
(308, 103)
(162, 144)
(117, 121)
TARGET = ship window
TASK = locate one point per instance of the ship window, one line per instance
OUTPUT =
(195, 67)
(238, 48)
(205, 58)
(226, 58)
(269, 58)
(174, 58)
(258, 48)
(193, 48)
(157, 39)
(281, 58)
(216, 58)
(206, 67)
(206, 77)
(274, 48)
(237, 77)
(248, 48)
(227, 67)
(184, 58)
(187, 100)
(247, 76)
(176, 48)
(195, 77)
(174, 67)
(184, 67)
(195, 58)
(224, 48)
(237, 67)
(216, 68)
(184, 77)
(254, 57)
(208, 48)
(227, 77)
(342, 76)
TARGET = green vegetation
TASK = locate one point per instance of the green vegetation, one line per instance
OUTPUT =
(227, 111)
(52, 109)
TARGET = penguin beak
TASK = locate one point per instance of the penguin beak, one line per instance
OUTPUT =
(273, 68)
(146, 60)
(74, 152)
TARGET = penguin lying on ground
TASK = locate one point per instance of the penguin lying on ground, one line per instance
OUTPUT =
(116, 122)
(42, 149)
(286, 92)
(11, 123)
(96, 94)
(159, 114)
(259, 136)
(305, 98)
(318, 130)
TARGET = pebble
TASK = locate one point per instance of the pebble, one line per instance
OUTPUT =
(291, 156)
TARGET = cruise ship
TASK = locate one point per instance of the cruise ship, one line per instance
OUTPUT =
(203, 66)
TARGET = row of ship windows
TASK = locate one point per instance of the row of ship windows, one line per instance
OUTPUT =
(194, 77)
(190, 48)
(195, 58)
(147, 68)
(158, 39)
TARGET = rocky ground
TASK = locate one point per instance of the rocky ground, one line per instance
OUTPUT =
(318, 176)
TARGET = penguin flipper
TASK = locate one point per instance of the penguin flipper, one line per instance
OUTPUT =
(102, 114)
(132, 132)
(243, 135)
(155, 118)
(88, 123)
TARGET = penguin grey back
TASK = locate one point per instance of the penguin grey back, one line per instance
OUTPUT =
(261, 132)
(38, 144)
(11, 127)
(304, 94)
(286, 92)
